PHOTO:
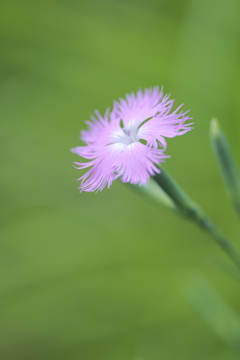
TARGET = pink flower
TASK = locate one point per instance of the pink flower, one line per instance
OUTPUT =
(125, 142)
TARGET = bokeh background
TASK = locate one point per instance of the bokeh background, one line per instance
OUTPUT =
(104, 276)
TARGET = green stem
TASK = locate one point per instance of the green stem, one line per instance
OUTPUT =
(189, 209)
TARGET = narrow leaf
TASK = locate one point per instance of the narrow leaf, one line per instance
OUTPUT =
(226, 164)
(224, 320)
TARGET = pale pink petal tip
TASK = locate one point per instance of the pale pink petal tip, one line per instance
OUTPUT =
(130, 141)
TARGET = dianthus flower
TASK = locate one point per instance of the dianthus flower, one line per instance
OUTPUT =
(129, 142)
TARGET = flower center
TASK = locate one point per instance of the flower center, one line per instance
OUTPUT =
(126, 135)
(130, 135)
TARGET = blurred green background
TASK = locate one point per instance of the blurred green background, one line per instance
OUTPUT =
(103, 276)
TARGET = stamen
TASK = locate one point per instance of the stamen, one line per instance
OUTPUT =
(128, 133)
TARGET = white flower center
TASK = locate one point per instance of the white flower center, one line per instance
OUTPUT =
(127, 136)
